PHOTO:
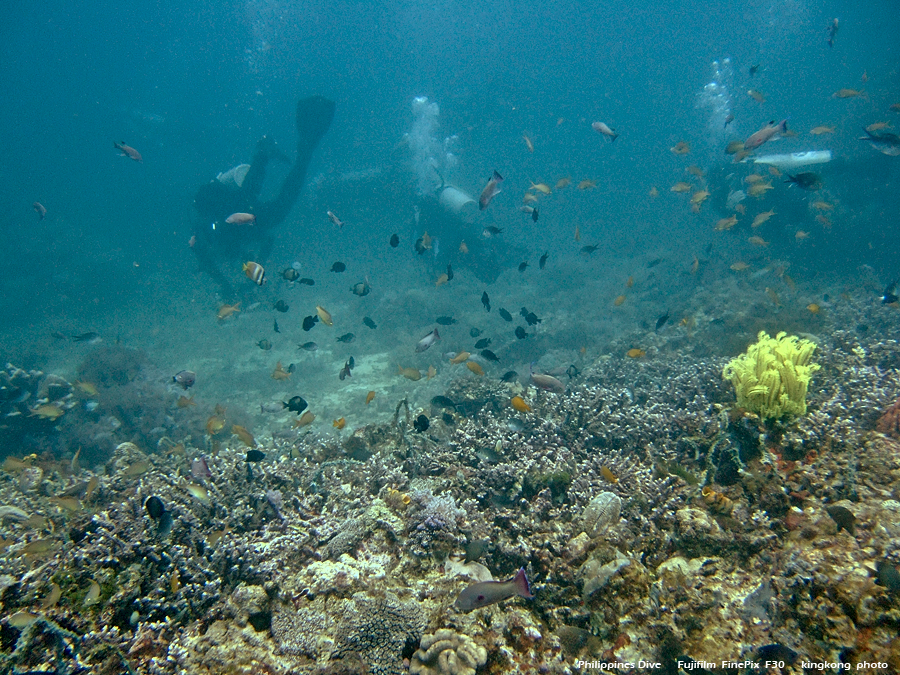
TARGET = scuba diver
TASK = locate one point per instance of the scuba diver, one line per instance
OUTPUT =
(237, 191)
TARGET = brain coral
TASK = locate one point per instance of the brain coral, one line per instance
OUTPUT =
(447, 653)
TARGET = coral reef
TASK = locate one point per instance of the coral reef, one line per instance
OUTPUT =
(772, 376)
(653, 520)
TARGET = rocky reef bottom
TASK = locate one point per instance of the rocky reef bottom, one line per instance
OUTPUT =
(662, 530)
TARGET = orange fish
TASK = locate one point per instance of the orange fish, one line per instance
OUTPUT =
(129, 152)
(767, 133)
(459, 358)
(474, 367)
(214, 425)
(339, 423)
(245, 436)
(185, 402)
(680, 148)
(491, 190)
(409, 373)
(619, 301)
(280, 373)
(369, 397)
(635, 353)
(519, 404)
(241, 219)
(227, 310)
(608, 475)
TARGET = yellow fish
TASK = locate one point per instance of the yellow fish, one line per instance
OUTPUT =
(228, 310)
(475, 368)
(409, 373)
(680, 148)
(519, 404)
(462, 247)
(528, 143)
(758, 241)
(619, 301)
(756, 95)
(753, 178)
(185, 402)
(878, 126)
(339, 423)
(629, 282)
(813, 308)
(459, 358)
(432, 371)
(87, 389)
(695, 265)
(47, 412)
(800, 235)
(822, 206)
(699, 197)
(818, 131)
(653, 193)
(245, 436)
(563, 182)
(680, 186)
(848, 93)
(324, 316)
(773, 296)
(441, 280)
(577, 234)
(739, 266)
(734, 147)
(635, 353)
(762, 217)
(369, 397)
(214, 425)
(608, 475)
(305, 419)
(541, 187)
(529, 198)
(759, 189)
(726, 223)
(586, 184)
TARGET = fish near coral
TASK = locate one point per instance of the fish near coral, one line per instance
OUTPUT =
(716, 501)
(518, 403)
(487, 593)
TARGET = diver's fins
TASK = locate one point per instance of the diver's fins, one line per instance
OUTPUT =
(314, 115)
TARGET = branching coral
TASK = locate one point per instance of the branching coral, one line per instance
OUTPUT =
(447, 653)
(772, 377)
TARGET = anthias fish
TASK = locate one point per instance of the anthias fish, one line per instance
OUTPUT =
(428, 340)
(128, 151)
(491, 190)
(767, 133)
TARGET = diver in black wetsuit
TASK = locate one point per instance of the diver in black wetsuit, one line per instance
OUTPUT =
(217, 242)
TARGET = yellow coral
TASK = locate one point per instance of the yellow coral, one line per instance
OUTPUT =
(771, 378)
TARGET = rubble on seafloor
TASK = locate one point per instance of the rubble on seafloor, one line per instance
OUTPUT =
(655, 523)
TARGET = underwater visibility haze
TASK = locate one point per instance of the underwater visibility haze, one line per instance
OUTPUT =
(450, 337)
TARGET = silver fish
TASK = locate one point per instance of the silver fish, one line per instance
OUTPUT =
(427, 341)
(547, 383)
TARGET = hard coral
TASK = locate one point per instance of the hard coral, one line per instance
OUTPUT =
(447, 653)
(772, 377)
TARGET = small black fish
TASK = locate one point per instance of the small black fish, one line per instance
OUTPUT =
(449, 272)
(442, 402)
(346, 337)
(486, 301)
(653, 263)
(361, 288)
(290, 274)
(475, 332)
(90, 337)
(338, 267)
(509, 376)
(587, 250)
(264, 344)
(308, 346)
(310, 321)
(155, 507)
(447, 418)
(421, 424)
(291, 368)
(368, 322)
(281, 306)
(482, 343)
(531, 319)
(489, 355)
(523, 266)
(295, 404)
(534, 214)
(806, 180)
(255, 456)
(506, 315)
(491, 231)
(475, 549)
(661, 321)
(572, 372)
(888, 576)
(185, 379)
(275, 326)
(843, 517)
(395, 240)
(889, 297)
(351, 362)
(345, 371)
(543, 260)
(307, 282)
(520, 333)
(445, 320)
(754, 69)
(419, 246)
